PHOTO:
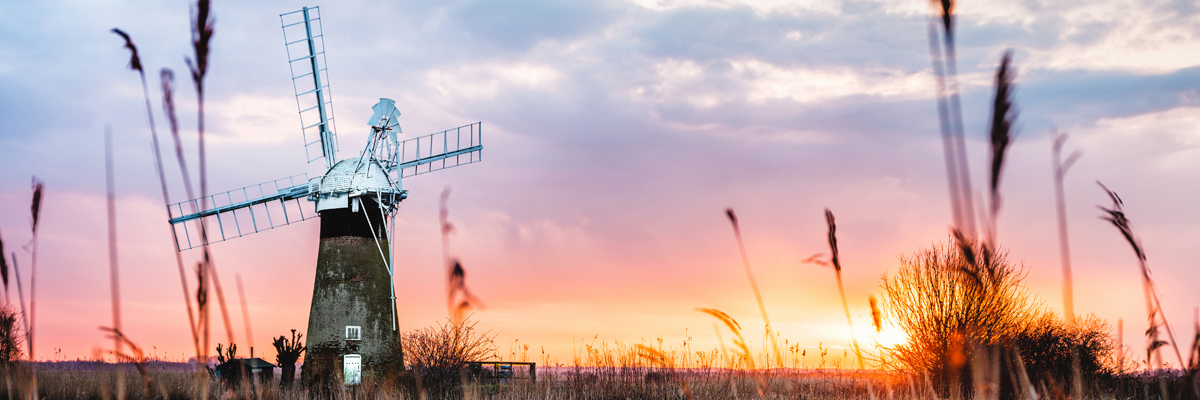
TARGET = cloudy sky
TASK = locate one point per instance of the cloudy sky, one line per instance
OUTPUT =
(616, 133)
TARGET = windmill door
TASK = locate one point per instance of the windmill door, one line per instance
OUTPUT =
(352, 369)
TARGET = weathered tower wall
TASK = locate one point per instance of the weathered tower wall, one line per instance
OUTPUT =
(352, 288)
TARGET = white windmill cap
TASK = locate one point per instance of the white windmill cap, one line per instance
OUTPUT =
(351, 178)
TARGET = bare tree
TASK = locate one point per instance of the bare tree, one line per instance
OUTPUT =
(287, 353)
(448, 345)
(437, 353)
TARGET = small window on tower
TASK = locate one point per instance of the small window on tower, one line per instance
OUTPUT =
(353, 332)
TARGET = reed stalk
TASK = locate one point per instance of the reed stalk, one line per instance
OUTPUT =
(1060, 168)
(1154, 311)
(837, 268)
(943, 57)
(245, 311)
(459, 298)
(4, 271)
(771, 335)
(35, 211)
(135, 64)
(113, 267)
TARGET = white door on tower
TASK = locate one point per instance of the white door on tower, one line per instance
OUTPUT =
(352, 369)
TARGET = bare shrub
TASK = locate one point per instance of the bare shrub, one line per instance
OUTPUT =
(437, 353)
(949, 301)
(447, 346)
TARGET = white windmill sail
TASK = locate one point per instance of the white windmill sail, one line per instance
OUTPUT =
(242, 211)
(437, 151)
(304, 39)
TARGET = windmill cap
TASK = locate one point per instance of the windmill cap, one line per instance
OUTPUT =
(351, 178)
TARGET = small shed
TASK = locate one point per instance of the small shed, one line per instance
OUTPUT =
(256, 370)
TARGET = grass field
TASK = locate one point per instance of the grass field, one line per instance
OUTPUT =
(93, 380)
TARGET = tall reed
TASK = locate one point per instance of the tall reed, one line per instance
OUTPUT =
(4, 270)
(943, 58)
(743, 351)
(459, 299)
(1060, 167)
(35, 209)
(245, 311)
(135, 64)
(202, 33)
(1003, 116)
(837, 268)
(1154, 311)
(770, 333)
(113, 267)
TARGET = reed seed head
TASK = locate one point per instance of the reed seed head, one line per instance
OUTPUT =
(1116, 215)
(135, 63)
(36, 207)
(876, 318)
(1003, 115)
(833, 259)
(3, 265)
(946, 7)
(202, 33)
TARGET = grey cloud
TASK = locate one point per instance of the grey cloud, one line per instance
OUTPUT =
(702, 34)
(1081, 97)
(519, 25)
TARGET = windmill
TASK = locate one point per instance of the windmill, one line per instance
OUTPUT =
(352, 326)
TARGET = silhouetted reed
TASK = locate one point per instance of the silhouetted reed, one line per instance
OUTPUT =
(1154, 313)
(245, 310)
(202, 30)
(4, 269)
(771, 335)
(113, 266)
(35, 209)
(1061, 167)
(1003, 115)
(136, 357)
(943, 57)
(135, 63)
(837, 268)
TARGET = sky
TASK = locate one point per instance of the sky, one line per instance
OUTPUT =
(616, 133)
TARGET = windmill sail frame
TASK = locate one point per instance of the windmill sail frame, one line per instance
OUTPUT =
(304, 40)
(243, 211)
(456, 146)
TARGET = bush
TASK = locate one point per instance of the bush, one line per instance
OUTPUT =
(1045, 346)
(955, 300)
(436, 354)
(11, 338)
(948, 304)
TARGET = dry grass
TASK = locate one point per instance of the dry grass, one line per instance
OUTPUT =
(649, 374)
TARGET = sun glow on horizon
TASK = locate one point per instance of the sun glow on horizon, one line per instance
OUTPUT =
(888, 336)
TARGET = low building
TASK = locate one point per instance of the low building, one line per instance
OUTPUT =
(255, 370)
